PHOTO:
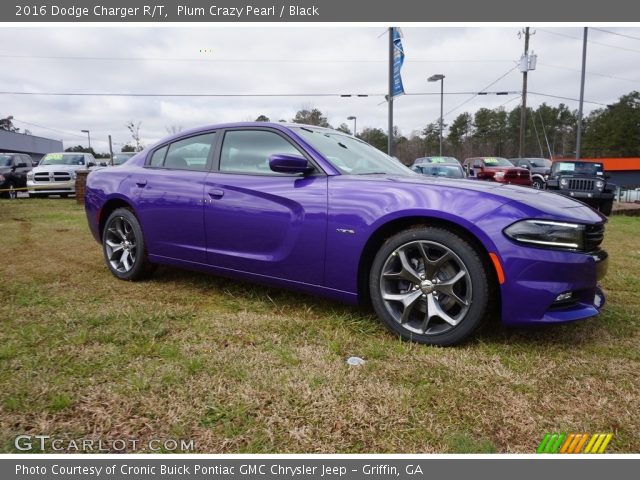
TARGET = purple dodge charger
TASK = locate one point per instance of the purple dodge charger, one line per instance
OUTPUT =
(322, 212)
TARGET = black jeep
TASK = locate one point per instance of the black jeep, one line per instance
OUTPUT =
(584, 181)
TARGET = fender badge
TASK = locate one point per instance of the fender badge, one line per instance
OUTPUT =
(346, 230)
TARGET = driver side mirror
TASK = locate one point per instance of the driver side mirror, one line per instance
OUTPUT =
(91, 164)
(289, 163)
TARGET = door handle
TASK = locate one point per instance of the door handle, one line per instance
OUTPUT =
(141, 183)
(216, 193)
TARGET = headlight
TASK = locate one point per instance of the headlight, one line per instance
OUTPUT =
(564, 182)
(546, 177)
(547, 234)
(30, 176)
(599, 184)
(499, 176)
(73, 175)
(1, 178)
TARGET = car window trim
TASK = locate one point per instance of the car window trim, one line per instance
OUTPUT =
(317, 169)
(210, 156)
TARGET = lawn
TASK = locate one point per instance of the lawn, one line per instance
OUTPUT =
(242, 368)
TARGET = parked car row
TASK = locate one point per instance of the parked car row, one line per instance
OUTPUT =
(585, 181)
(55, 174)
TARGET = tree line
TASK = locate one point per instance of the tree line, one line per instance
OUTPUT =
(610, 131)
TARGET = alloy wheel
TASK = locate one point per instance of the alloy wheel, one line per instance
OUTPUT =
(120, 244)
(426, 287)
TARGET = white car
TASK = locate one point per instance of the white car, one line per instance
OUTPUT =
(56, 173)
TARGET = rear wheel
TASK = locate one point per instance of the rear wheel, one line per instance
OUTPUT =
(428, 285)
(124, 247)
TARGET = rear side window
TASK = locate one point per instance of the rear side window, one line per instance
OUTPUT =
(187, 154)
(157, 159)
(248, 151)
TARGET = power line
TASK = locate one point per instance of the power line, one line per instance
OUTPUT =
(589, 41)
(49, 128)
(342, 95)
(614, 77)
(478, 93)
(568, 98)
(615, 33)
(243, 60)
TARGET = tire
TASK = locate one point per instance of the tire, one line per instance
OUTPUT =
(122, 233)
(33, 195)
(428, 285)
(10, 193)
(537, 183)
(606, 208)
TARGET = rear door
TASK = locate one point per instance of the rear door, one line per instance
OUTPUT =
(260, 221)
(169, 197)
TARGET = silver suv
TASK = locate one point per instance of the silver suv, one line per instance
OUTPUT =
(56, 174)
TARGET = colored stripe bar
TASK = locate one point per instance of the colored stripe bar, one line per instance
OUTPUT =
(605, 442)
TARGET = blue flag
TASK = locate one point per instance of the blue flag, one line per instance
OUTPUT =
(398, 60)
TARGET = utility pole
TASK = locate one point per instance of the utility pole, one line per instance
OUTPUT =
(523, 111)
(110, 150)
(390, 97)
(584, 67)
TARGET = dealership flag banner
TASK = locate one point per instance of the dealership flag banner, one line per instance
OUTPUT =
(398, 60)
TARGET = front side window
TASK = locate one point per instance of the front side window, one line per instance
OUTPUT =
(248, 151)
(6, 160)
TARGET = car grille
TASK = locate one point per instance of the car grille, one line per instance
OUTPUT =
(47, 177)
(581, 184)
(517, 174)
(593, 236)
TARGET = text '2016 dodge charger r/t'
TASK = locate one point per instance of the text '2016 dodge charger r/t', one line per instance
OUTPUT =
(322, 212)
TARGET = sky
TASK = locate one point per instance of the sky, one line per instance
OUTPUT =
(290, 60)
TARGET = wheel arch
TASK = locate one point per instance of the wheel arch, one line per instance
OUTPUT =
(108, 208)
(391, 227)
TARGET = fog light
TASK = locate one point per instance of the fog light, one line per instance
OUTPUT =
(564, 297)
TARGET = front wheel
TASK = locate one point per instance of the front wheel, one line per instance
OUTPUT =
(606, 208)
(124, 247)
(429, 285)
(537, 183)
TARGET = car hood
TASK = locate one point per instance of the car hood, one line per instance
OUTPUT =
(547, 203)
(5, 169)
(58, 168)
(505, 169)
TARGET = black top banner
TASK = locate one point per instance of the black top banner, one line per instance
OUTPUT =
(318, 11)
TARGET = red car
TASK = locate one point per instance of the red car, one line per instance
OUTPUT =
(497, 169)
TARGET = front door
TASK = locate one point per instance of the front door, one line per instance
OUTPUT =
(260, 221)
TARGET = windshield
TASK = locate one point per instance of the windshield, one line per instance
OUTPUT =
(436, 160)
(62, 159)
(540, 162)
(350, 155)
(120, 158)
(449, 171)
(497, 162)
(577, 168)
(5, 160)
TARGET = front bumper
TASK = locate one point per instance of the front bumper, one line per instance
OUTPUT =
(587, 197)
(535, 278)
(51, 187)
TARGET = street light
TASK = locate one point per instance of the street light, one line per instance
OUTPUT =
(88, 136)
(354, 123)
(439, 78)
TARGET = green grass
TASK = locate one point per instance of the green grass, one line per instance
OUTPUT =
(242, 368)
